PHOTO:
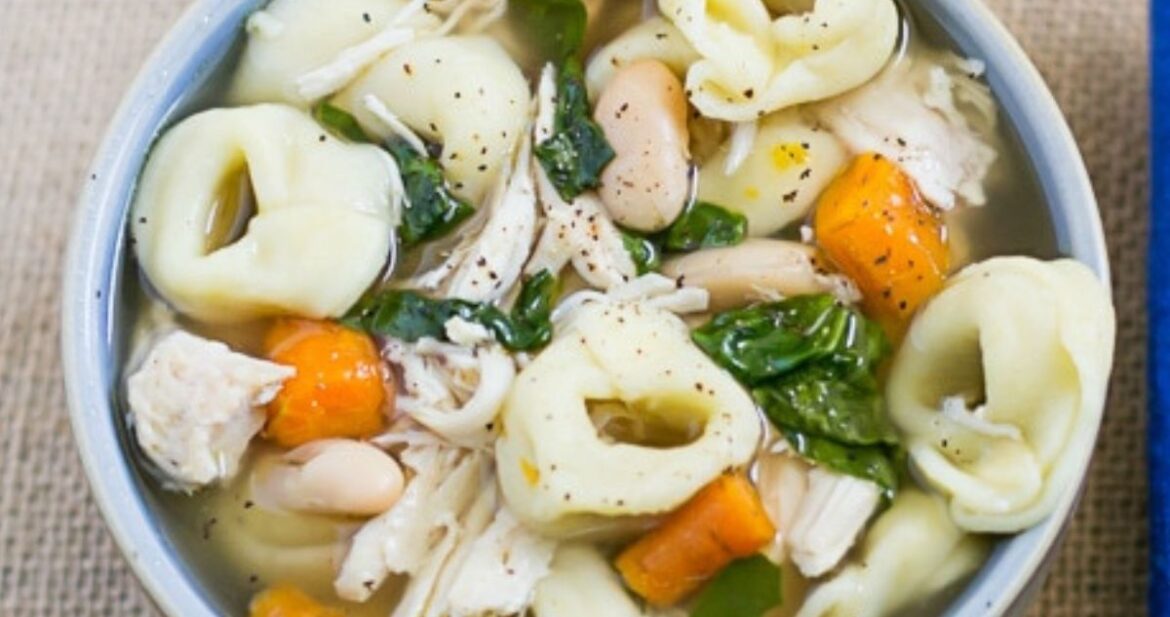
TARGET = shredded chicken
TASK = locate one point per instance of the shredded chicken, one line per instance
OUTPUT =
(494, 263)
(818, 513)
(428, 594)
(500, 574)
(911, 115)
(195, 405)
(394, 123)
(465, 554)
(650, 290)
(402, 539)
(578, 232)
(455, 390)
(487, 267)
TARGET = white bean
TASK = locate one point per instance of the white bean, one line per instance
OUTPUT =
(643, 112)
(330, 476)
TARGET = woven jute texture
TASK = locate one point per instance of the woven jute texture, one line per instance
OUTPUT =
(63, 67)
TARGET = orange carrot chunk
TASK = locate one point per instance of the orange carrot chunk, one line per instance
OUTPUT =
(284, 600)
(873, 225)
(723, 522)
(338, 391)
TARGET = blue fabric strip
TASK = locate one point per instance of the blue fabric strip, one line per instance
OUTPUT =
(1159, 306)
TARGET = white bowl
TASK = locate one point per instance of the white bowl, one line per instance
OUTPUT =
(94, 295)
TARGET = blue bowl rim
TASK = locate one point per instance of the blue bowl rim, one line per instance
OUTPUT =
(186, 53)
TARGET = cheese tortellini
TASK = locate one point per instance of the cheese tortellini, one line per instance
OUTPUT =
(550, 456)
(913, 551)
(753, 65)
(464, 92)
(581, 583)
(288, 39)
(321, 232)
(654, 39)
(999, 387)
(789, 165)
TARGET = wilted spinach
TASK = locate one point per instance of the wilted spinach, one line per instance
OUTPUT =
(341, 122)
(410, 316)
(702, 226)
(873, 463)
(577, 152)
(647, 255)
(819, 400)
(746, 588)
(762, 342)
(433, 210)
(811, 364)
(555, 27)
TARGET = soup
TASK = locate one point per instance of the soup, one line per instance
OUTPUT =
(474, 307)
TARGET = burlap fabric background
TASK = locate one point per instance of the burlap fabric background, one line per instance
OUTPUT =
(63, 67)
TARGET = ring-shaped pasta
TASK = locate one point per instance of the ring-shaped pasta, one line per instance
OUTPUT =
(999, 386)
(560, 476)
(320, 234)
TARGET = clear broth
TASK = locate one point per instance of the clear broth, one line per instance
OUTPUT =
(216, 530)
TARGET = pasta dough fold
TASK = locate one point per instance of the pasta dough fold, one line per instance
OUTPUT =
(550, 456)
(653, 39)
(290, 38)
(790, 163)
(463, 92)
(913, 551)
(753, 65)
(999, 387)
(321, 231)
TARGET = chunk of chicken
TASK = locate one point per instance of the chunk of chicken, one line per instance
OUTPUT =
(651, 290)
(911, 114)
(502, 570)
(195, 405)
(407, 536)
(466, 556)
(487, 267)
(818, 513)
(494, 263)
(455, 390)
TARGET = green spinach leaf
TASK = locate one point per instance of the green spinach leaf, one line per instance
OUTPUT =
(812, 364)
(819, 400)
(705, 225)
(746, 588)
(577, 151)
(340, 122)
(762, 342)
(555, 27)
(409, 316)
(530, 324)
(433, 211)
(645, 252)
(873, 463)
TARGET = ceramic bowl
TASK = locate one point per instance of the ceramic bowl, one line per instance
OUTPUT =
(189, 58)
